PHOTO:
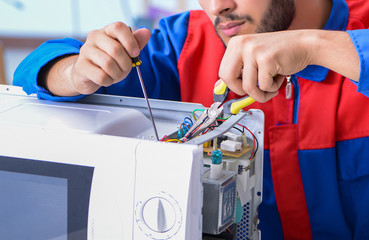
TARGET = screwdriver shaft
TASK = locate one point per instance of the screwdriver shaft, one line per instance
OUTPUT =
(147, 101)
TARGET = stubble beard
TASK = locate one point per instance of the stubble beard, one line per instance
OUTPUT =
(278, 17)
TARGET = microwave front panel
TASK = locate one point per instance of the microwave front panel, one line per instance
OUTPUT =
(112, 194)
(167, 175)
(110, 188)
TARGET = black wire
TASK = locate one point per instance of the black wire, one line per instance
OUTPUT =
(242, 131)
(211, 128)
(257, 144)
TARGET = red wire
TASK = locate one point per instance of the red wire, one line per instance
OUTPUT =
(164, 138)
(190, 133)
(253, 138)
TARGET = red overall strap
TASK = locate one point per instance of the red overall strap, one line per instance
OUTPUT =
(200, 59)
(287, 181)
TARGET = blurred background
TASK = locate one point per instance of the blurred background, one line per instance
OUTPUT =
(24, 25)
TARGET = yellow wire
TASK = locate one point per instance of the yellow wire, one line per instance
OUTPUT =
(174, 140)
(196, 110)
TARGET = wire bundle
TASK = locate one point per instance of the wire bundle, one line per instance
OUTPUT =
(187, 123)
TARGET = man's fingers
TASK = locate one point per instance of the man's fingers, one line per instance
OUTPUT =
(87, 77)
(107, 63)
(231, 69)
(98, 76)
(123, 34)
(115, 50)
(279, 79)
(260, 85)
(269, 80)
(250, 83)
(133, 43)
(142, 36)
(250, 80)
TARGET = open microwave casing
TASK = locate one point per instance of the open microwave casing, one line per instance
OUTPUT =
(133, 186)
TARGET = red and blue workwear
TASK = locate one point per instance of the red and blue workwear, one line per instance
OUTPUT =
(316, 166)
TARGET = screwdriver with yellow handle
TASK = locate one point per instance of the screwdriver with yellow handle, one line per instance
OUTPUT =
(136, 62)
(231, 107)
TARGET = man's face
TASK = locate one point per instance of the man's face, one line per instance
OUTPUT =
(238, 17)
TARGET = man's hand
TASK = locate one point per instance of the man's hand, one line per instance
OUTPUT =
(104, 59)
(257, 64)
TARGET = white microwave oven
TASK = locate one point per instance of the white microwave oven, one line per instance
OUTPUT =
(93, 170)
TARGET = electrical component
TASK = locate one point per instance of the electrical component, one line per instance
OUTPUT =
(233, 136)
(221, 139)
(219, 206)
(216, 166)
(231, 146)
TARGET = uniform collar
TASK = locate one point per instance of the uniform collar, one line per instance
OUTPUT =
(337, 21)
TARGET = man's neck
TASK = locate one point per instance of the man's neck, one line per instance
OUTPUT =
(311, 14)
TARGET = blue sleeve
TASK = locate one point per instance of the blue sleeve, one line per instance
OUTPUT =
(159, 64)
(27, 72)
(360, 39)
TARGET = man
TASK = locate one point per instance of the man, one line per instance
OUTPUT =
(316, 170)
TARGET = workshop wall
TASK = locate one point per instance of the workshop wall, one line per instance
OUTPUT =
(24, 25)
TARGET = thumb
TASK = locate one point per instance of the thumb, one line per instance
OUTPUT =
(218, 82)
(142, 36)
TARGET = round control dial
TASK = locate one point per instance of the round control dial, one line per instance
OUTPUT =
(159, 217)
(159, 214)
